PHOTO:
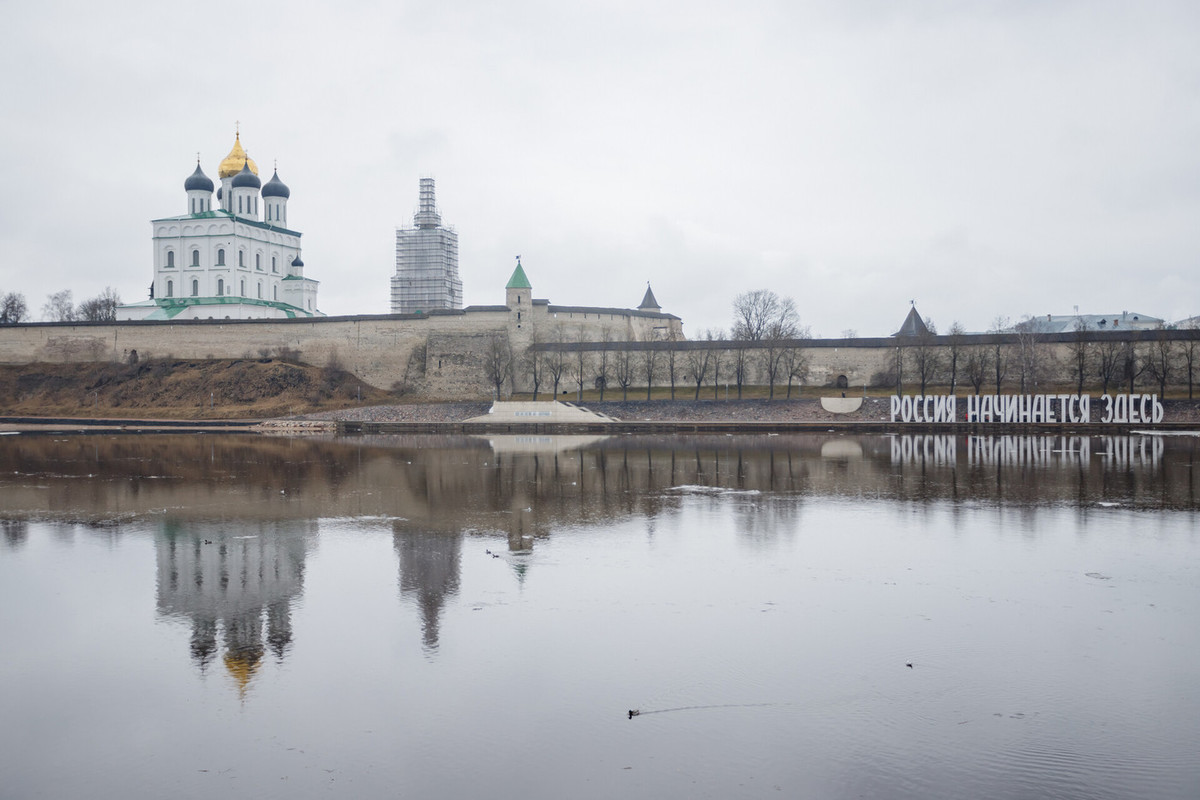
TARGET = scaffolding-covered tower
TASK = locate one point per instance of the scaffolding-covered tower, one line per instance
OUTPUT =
(426, 276)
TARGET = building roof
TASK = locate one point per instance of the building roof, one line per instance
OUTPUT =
(518, 279)
(171, 307)
(221, 213)
(633, 312)
(913, 325)
(648, 301)
(198, 181)
(1069, 323)
(276, 188)
(237, 158)
(246, 179)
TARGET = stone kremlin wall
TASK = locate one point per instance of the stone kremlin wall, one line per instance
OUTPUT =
(442, 355)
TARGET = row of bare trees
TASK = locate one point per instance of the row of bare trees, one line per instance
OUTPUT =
(562, 364)
(1025, 360)
(59, 307)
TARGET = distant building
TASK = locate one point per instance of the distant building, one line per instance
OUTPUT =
(236, 261)
(426, 276)
(1068, 323)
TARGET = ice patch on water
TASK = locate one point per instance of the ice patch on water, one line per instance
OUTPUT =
(711, 490)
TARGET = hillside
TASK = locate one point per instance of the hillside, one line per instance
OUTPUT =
(168, 388)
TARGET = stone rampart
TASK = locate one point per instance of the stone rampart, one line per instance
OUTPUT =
(443, 354)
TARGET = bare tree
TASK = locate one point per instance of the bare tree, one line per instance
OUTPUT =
(955, 341)
(497, 362)
(926, 356)
(741, 365)
(796, 364)
(672, 361)
(101, 308)
(1132, 363)
(1000, 352)
(719, 356)
(1108, 360)
(1080, 350)
(59, 307)
(1029, 352)
(13, 309)
(1160, 359)
(579, 365)
(1188, 351)
(556, 364)
(648, 364)
(762, 314)
(698, 362)
(601, 362)
(976, 366)
(535, 362)
(623, 370)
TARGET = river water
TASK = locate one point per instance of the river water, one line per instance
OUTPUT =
(798, 616)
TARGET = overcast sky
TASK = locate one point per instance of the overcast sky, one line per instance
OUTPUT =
(984, 159)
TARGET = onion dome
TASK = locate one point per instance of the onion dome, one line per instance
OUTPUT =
(296, 262)
(198, 181)
(236, 160)
(276, 188)
(246, 179)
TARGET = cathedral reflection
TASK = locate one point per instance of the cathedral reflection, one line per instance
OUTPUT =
(429, 573)
(235, 584)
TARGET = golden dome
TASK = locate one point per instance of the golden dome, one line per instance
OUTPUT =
(236, 159)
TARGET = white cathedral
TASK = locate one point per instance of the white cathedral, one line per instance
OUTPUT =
(237, 261)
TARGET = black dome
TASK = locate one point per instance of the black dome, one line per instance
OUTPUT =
(246, 179)
(198, 181)
(296, 262)
(276, 188)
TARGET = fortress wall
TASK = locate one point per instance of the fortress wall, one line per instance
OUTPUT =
(442, 355)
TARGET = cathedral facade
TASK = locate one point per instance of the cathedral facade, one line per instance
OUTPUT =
(235, 260)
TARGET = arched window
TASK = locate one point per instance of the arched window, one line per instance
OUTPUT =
(195, 258)
(274, 266)
(274, 292)
(170, 258)
(170, 288)
(260, 290)
(241, 258)
(243, 288)
(239, 204)
(221, 257)
(258, 261)
(195, 288)
(220, 286)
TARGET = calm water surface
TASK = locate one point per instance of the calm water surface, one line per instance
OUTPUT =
(198, 616)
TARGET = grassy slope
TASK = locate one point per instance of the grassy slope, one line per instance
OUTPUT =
(224, 389)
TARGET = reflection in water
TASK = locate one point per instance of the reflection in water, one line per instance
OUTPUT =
(457, 483)
(236, 583)
(16, 531)
(1052, 637)
(429, 573)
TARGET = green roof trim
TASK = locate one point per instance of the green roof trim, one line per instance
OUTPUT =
(170, 307)
(518, 279)
(253, 223)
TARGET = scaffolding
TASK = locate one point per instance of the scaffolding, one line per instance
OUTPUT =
(426, 276)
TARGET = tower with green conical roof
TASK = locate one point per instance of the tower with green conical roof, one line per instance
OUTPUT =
(518, 294)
